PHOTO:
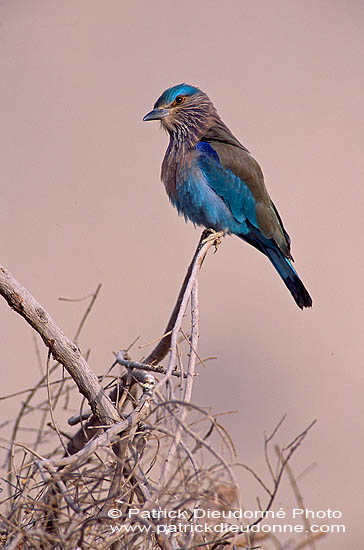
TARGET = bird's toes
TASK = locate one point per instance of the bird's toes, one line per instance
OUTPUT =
(212, 235)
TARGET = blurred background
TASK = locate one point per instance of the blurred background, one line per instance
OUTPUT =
(81, 203)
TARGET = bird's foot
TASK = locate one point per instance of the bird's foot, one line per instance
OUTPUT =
(211, 235)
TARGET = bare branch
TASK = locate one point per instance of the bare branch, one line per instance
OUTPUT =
(61, 348)
(162, 348)
(143, 366)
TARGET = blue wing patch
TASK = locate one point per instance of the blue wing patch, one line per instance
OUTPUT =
(232, 190)
(206, 148)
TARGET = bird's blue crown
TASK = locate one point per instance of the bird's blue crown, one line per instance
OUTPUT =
(170, 95)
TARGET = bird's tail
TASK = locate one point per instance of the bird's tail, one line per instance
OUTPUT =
(290, 278)
(284, 268)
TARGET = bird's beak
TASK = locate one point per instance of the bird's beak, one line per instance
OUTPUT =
(156, 114)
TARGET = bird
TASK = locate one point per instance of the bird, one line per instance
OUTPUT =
(214, 181)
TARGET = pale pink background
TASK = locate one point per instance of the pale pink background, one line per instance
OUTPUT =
(81, 203)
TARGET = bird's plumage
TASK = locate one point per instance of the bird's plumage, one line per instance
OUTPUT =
(212, 180)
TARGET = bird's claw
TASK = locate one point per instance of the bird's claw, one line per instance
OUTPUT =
(212, 235)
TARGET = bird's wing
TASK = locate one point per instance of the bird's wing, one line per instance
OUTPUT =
(235, 159)
(232, 190)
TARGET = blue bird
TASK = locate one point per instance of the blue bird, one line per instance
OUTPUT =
(212, 180)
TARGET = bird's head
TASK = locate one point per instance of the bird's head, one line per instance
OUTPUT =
(184, 111)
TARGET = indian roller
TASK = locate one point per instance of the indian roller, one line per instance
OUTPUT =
(213, 180)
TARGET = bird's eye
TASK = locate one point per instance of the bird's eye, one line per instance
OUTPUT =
(179, 99)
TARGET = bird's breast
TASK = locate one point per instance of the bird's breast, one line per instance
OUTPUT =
(178, 166)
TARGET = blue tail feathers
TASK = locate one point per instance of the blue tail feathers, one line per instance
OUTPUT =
(284, 268)
(289, 277)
